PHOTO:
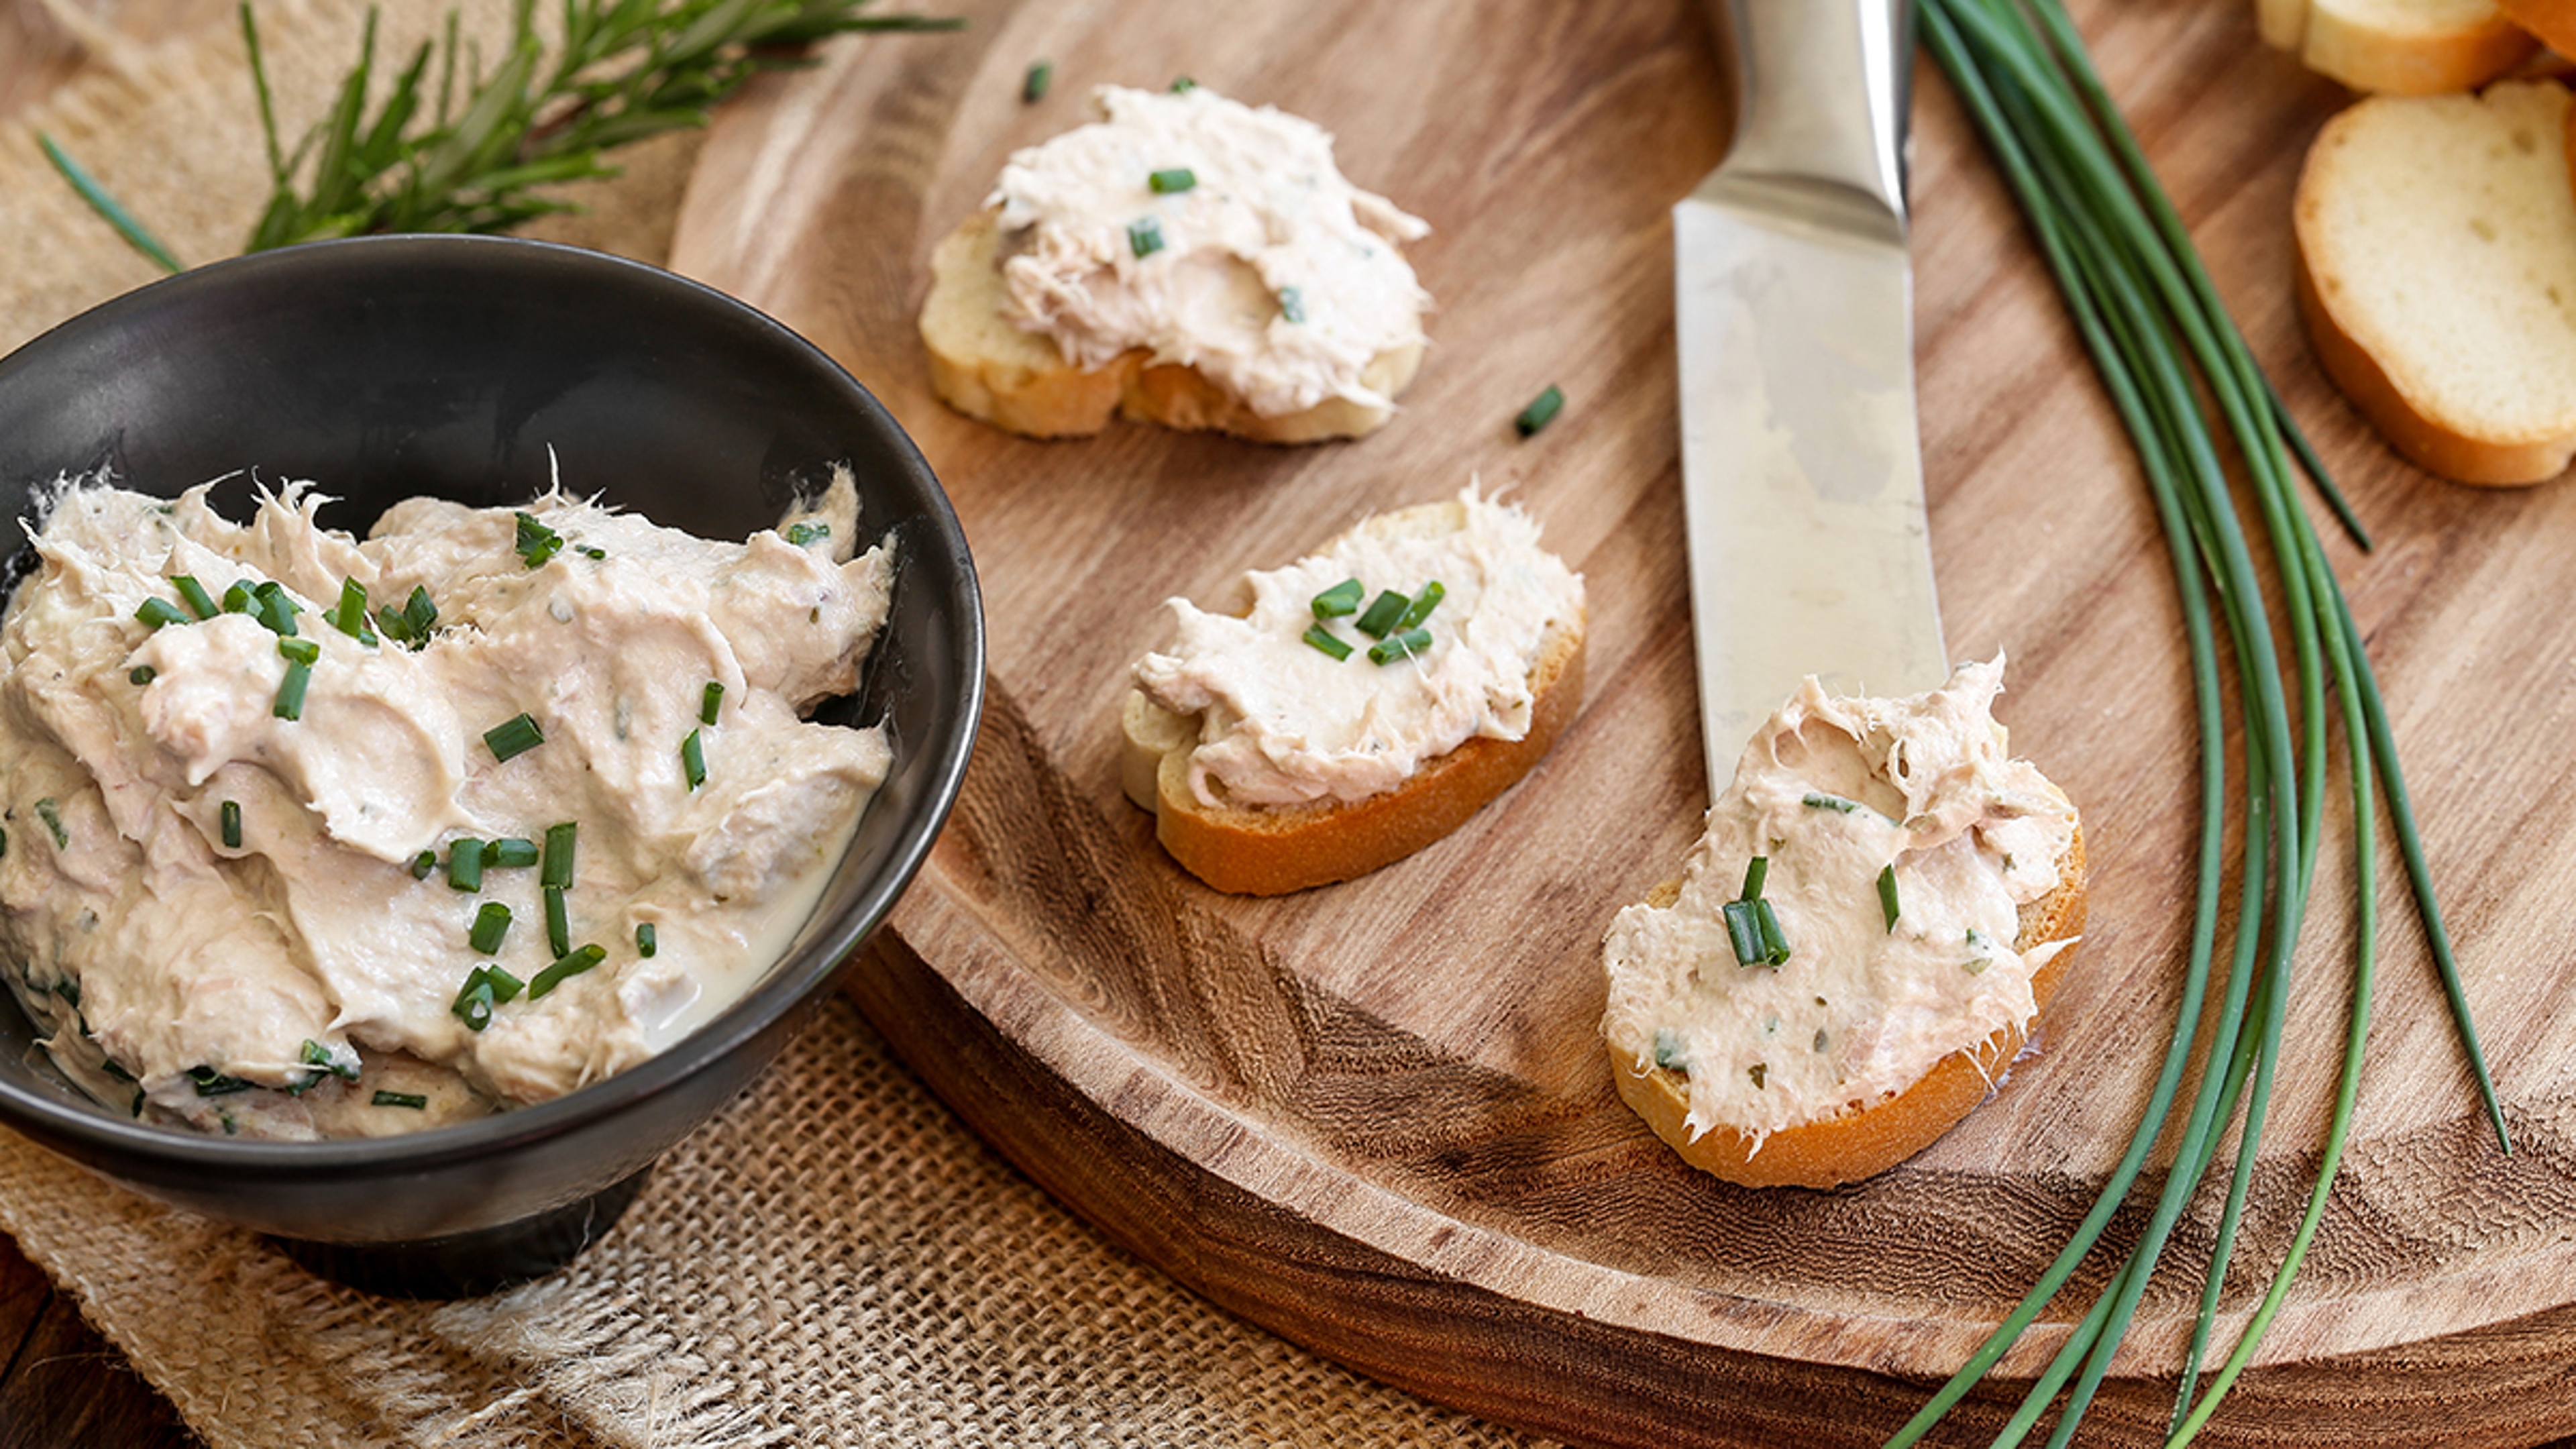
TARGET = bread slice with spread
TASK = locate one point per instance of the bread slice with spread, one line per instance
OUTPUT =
(1186, 260)
(1358, 704)
(2437, 276)
(1883, 902)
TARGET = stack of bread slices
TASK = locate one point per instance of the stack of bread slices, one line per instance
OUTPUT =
(2436, 227)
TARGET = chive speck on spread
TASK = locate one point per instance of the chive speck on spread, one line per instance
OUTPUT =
(535, 542)
(1292, 304)
(709, 702)
(52, 814)
(231, 815)
(1324, 639)
(693, 760)
(646, 943)
(412, 1100)
(1033, 86)
(1144, 238)
(1171, 181)
(141, 674)
(513, 737)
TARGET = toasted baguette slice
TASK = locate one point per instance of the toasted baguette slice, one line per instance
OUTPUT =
(1270, 851)
(1867, 1138)
(2399, 47)
(2551, 22)
(2437, 276)
(987, 368)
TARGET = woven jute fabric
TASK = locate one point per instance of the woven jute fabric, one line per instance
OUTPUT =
(835, 1260)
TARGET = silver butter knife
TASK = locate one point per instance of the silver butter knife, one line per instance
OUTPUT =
(1802, 471)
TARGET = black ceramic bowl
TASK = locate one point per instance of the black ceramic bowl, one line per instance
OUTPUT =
(386, 367)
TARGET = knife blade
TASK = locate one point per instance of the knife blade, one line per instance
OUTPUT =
(1802, 472)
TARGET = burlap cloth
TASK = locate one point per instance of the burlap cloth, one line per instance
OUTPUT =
(834, 1260)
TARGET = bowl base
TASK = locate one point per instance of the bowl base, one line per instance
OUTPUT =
(470, 1265)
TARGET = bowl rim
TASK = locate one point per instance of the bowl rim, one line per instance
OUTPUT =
(789, 982)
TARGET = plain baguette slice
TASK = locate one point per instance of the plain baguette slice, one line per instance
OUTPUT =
(2399, 47)
(2553, 22)
(1866, 1139)
(987, 368)
(1266, 850)
(2437, 276)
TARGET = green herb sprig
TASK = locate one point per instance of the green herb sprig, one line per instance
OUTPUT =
(2162, 343)
(453, 147)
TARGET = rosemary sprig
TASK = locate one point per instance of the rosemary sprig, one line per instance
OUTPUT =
(475, 152)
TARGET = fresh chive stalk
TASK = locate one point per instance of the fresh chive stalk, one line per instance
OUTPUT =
(2168, 354)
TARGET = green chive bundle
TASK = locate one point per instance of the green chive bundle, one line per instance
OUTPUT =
(2162, 342)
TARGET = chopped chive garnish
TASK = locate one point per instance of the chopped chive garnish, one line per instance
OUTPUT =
(141, 674)
(199, 602)
(212, 1083)
(276, 609)
(1541, 411)
(1399, 646)
(1887, 896)
(1775, 945)
(4, 845)
(413, 1100)
(232, 824)
(423, 863)
(536, 542)
(1671, 1052)
(1292, 304)
(410, 624)
(558, 921)
(1819, 800)
(1744, 933)
(1382, 613)
(801, 534)
(513, 851)
(300, 651)
(592, 551)
(1342, 598)
(1172, 181)
(465, 863)
(1756, 871)
(52, 814)
(239, 599)
(693, 760)
(1145, 236)
(513, 737)
(1183, 85)
(491, 924)
(709, 701)
(565, 969)
(473, 1005)
(159, 613)
(1033, 86)
(317, 1055)
(290, 690)
(1422, 605)
(560, 843)
(350, 617)
(1322, 638)
(646, 943)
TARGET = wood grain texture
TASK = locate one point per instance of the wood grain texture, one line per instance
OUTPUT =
(1376, 1116)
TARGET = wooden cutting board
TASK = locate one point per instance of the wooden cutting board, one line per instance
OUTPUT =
(1376, 1116)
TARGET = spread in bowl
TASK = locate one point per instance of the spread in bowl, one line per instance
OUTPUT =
(313, 837)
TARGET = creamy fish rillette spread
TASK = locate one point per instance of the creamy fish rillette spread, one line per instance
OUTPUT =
(1210, 234)
(312, 837)
(1296, 703)
(1899, 840)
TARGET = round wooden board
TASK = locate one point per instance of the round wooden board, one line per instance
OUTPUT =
(1376, 1117)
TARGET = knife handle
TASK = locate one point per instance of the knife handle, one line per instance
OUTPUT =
(1822, 89)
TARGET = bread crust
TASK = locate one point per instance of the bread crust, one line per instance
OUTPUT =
(2437, 54)
(1270, 851)
(2451, 450)
(2552, 22)
(1866, 1139)
(986, 368)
